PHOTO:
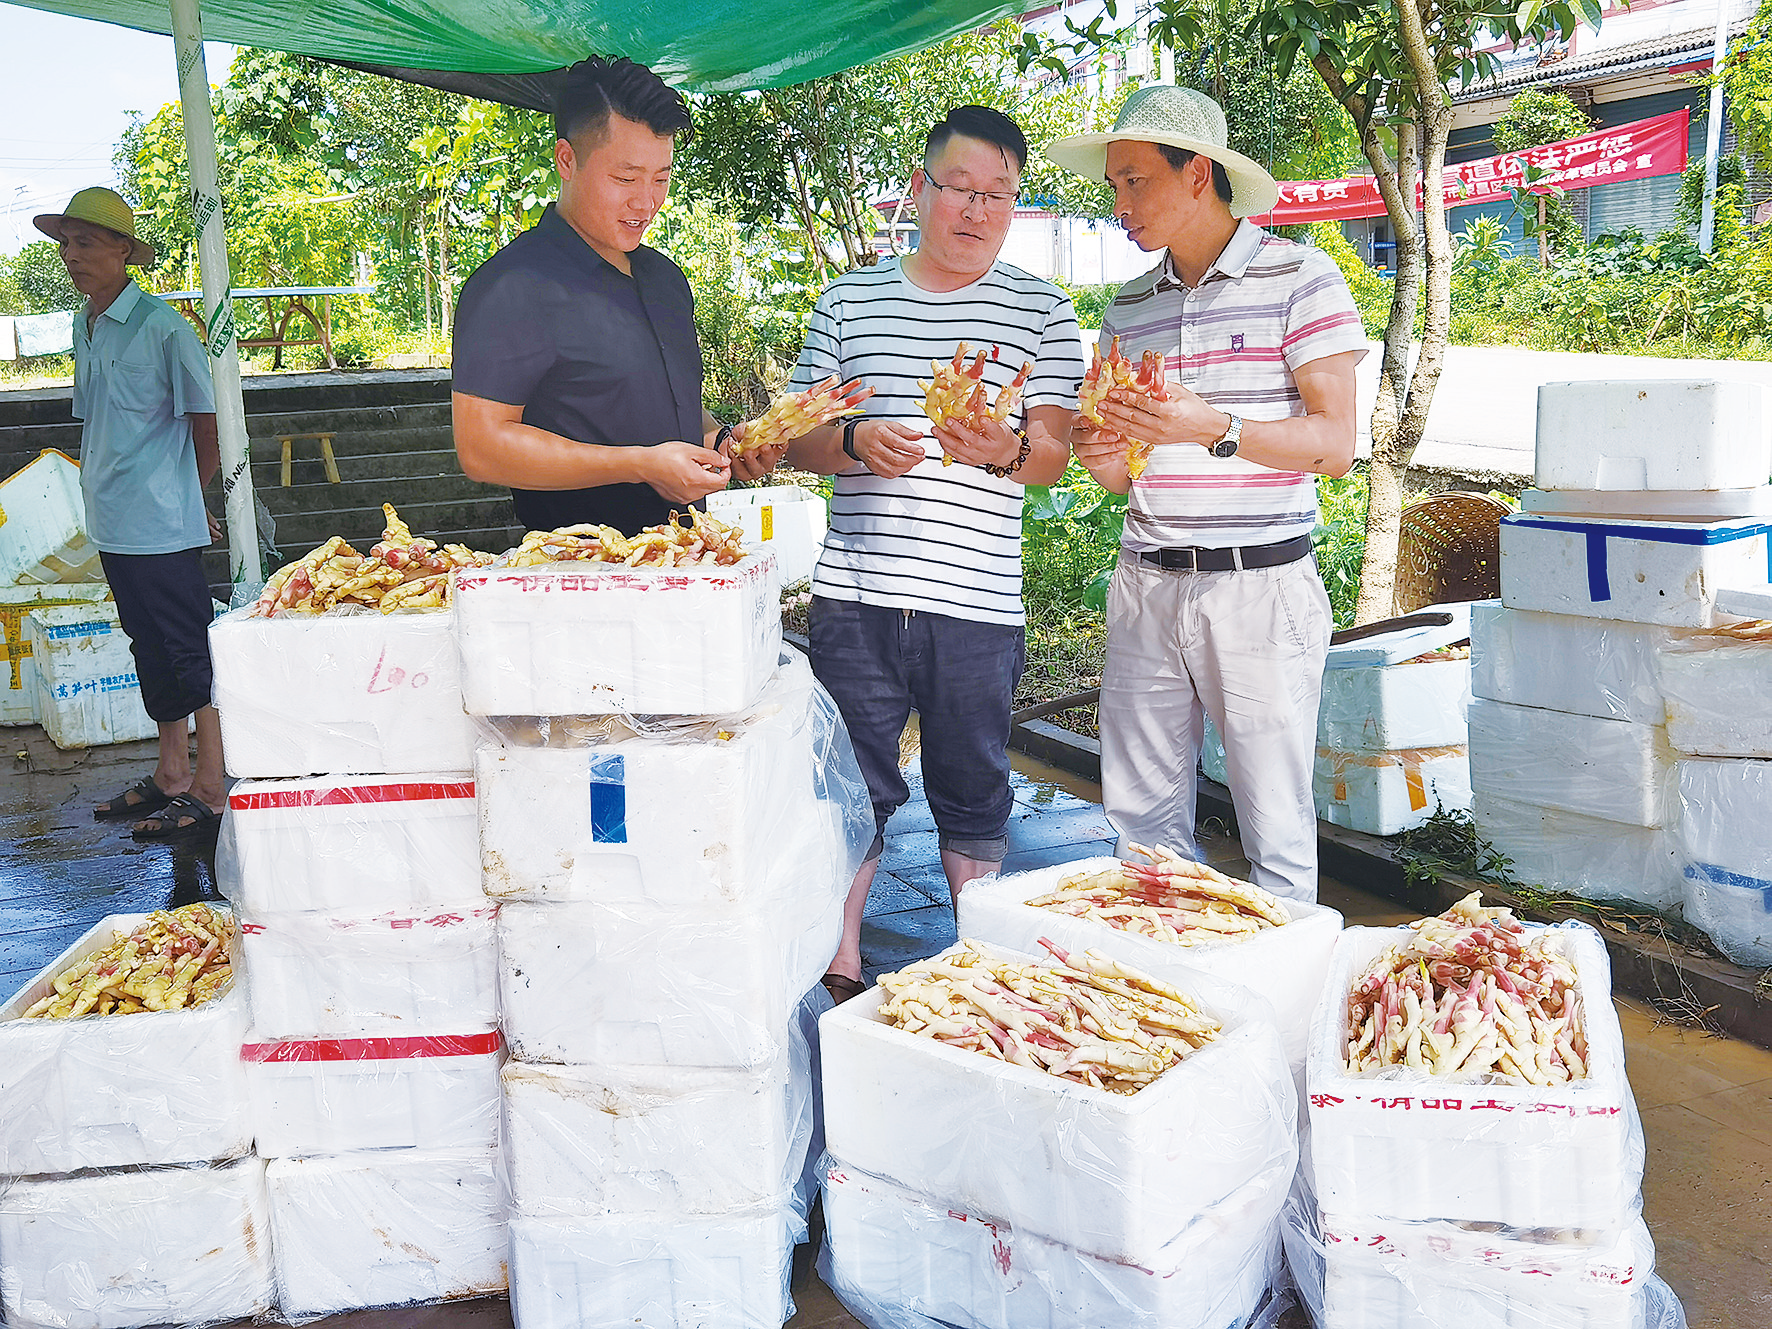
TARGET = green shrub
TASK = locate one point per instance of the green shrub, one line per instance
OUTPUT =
(1091, 302)
(1371, 290)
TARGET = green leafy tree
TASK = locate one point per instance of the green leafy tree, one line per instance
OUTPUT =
(42, 279)
(1536, 117)
(1747, 81)
(12, 295)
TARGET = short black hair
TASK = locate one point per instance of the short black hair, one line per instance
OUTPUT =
(1180, 157)
(596, 88)
(984, 124)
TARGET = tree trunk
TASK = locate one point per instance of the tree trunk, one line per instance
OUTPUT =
(445, 284)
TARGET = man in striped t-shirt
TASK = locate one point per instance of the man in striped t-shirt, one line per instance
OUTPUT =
(917, 595)
(1216, 607)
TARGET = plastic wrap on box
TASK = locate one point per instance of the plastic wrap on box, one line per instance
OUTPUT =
(595, 638)
(386, 1228)
(742, 809)
(1117, 1176)
(18, 683)
(1386, 793)
(339, 693)
(1284, 965)
(1727, 837)
(1719, 696)
(119, 1090)
(663, 1140)
(180, 1245)
(1212, 758)
(1563, 662)
(349, 975)
(43, 538)
(1636, 569)
(904, 1261)
(1610, 769)
(1614, 434)
(1566, 851)
(335, 1095)
(1403, 1144)
(350, 843)
(1381, 708)
(788, 519)
(87, 691)
(650, 988)
(676, 1272)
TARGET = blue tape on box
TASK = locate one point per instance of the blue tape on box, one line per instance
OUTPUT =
(1599, 588)
(1716, 876)
(609, 800)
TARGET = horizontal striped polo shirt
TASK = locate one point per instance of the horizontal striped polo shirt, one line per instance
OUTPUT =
(1265, 307)
(938, 539)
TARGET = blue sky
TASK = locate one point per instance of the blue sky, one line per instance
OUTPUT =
(65, 94)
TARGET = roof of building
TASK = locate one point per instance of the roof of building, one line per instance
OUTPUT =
(1652, 53)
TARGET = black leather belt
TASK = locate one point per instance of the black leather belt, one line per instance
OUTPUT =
(1190, 559)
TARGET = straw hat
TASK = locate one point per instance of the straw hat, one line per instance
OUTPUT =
(101, 207)
(1179, 118)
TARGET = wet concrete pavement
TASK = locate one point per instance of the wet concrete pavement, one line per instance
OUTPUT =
(1706, 1102)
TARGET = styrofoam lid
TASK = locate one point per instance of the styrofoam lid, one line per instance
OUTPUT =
(1406, 642)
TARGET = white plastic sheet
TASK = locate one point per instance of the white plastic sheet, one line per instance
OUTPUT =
(1727, 836)
(1610, 769)
(1381, 708)
(1566, 851)
(1718, 701)
(1564, 662)
(1387, 793)
(1111, 1175)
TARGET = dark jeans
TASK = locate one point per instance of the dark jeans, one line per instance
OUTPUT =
(961, 676)
(163, 603)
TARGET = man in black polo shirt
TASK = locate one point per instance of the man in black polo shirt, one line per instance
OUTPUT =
(577, 371)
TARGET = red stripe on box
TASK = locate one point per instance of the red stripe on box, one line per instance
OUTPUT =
(347, 794)
(373, 1049)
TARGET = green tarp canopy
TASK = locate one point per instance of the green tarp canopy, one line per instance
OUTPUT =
(503, 50)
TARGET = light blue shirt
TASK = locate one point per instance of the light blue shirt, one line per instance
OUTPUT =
(138, 376)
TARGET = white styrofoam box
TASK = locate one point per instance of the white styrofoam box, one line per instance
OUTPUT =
(1719, 696)
(1388, 1275)
(652, 989)
(1727, 837)
(18, 690)
(913, 1262)
(610, 822)
(118, 1090)
(1379, 708)
(1386, 793)
(592, 638)
(675, 1272)
(1119, 1176)
(87, 691)
(1562, 662)
(1707, 504)
(180, 1245)
(1611, 769)
(788, 519)
(1635, 568)
(1416, 633)
(1616, 434)
(350, 843)
(1584, 855)
(339, 694)
(43, 524)
(335, 1095)
(1403, 1144)
(387, 1227)
(349, 975)
(1285, 965)
(656, 1140)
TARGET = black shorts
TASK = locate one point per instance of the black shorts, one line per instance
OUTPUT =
(163, 602)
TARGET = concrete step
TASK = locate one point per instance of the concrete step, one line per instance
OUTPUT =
(324, 499)
(349, 420)
(396, 467)
(267, 394)
(373, 432)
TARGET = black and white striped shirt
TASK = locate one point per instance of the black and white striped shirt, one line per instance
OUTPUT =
(939, 539)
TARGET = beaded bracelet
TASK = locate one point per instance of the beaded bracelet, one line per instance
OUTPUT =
(1004, 472)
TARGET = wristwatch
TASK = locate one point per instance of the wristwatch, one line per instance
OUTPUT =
(1227, 446)
(849, 438)
(721, 435)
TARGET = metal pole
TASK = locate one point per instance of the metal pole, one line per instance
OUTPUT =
(1713, 129)
(218, 306)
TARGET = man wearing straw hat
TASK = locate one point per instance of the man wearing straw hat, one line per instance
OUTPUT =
(147, 447)
(1216, 607)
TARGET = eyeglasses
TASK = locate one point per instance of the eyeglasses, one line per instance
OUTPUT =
(966, 197)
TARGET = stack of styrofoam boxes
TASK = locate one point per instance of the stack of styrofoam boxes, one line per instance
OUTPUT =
(670, 888)
(788, 519)
(1651, 502)
(962, 1190)
(18, 687)
(1390, 727)
(351, 854)
(164, 1216)
(87, 691)
(1482, 1205)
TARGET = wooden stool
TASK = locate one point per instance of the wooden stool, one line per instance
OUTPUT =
(325, 455)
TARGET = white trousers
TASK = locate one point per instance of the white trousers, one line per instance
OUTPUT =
(1246, 648)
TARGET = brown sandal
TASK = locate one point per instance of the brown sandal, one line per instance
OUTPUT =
(842, 987)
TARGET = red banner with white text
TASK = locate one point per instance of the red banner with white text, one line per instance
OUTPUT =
(1606, 156)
